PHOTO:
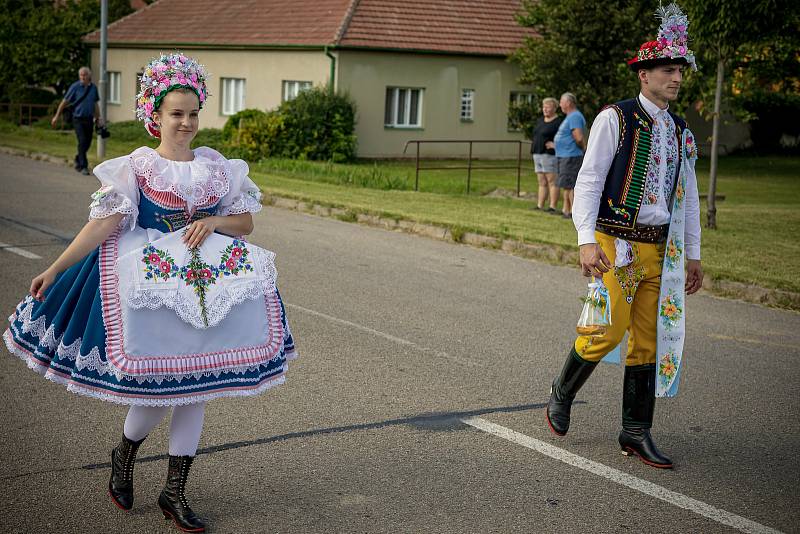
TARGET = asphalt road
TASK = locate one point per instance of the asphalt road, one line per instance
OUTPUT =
(403, 340)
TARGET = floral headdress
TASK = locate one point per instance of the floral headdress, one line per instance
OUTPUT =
(672, 44)
(162, 75)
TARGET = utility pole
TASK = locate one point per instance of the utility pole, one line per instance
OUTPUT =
(103, 81)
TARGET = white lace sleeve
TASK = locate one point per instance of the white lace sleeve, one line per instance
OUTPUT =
(243, 195)
(118, 194)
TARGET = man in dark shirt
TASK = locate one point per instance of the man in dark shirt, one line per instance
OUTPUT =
(83, 99)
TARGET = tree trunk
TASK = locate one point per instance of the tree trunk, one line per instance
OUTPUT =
(712, 178)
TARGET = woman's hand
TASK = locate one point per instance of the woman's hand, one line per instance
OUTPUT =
(40, 284)
(198, 231)
(550, 144)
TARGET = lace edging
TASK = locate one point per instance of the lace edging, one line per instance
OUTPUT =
(131, 401)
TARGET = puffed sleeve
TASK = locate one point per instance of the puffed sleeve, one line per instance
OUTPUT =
(119, 192)
(243, 195)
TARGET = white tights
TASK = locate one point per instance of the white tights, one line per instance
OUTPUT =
(184, 429)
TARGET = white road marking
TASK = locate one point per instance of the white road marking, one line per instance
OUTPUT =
(19, 251)
(624, 479)
(398, 340)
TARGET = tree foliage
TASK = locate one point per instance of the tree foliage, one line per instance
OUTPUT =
(581, 47)
(40, 42)
(759, 46)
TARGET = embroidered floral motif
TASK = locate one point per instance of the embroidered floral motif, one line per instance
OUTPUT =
(234, 259)
(619, 211)
(667, 368)
(158, 265)
(199, 275)
(690, 147)
(672, 257)
(630, 275)
(680, 191)
(670, 310)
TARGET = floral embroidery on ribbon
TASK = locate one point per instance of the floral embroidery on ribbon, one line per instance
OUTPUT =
(158, 265)
(672, 256)
(667, 367)
(670, 310)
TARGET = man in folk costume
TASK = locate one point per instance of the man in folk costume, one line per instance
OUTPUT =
(637, 214)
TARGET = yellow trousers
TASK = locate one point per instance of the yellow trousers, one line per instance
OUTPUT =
(633, 292)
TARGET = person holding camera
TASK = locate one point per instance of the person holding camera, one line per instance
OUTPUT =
(80, 106)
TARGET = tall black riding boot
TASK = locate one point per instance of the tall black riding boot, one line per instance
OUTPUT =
(172, 500)
(575, 372)
(123, 458)
(638, 403)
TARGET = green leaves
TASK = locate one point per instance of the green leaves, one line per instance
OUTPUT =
(582, 47)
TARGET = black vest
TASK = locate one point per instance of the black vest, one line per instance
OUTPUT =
(624, 189)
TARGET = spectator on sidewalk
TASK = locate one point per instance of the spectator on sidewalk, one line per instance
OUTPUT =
(570, 142)
(82, 100)
(544, 154)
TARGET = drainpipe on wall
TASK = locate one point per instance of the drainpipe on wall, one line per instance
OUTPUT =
(332, 76)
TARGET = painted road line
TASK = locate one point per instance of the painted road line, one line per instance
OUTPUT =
(384, 335)
(624, 479)
(19, 251)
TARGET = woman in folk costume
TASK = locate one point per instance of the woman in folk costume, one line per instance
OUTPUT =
(637, 215)
(153, 305)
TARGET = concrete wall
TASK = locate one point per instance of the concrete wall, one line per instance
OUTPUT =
(366, 75)
(263, 70)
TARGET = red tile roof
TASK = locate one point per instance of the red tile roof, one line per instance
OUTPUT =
(461, 26)
(484, 27)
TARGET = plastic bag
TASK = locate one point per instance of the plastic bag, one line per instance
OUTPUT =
(595, 318)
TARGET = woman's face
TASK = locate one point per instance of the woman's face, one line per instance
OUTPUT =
(548, 109)
(178, 117)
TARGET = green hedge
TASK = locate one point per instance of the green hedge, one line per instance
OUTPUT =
(316, 125)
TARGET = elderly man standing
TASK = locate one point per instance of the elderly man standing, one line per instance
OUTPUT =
(82, 98)
(637, 214)
(570, 142)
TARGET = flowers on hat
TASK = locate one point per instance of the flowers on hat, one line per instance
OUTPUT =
(160, 76)
(672, 41)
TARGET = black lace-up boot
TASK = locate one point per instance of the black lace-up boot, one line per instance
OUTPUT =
(638, 404)
(123, 458)
(574, 374)
(172, 500)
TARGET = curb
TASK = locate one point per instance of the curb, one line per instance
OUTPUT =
(553, 254)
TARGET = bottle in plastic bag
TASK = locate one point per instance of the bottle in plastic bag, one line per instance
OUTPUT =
(595, 316)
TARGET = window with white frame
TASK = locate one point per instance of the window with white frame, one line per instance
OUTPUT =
(403, 107)
(467, 104)
(292, 88)
(114, 79)
(232, 95)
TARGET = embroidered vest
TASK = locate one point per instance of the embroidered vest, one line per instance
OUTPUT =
(624, 190)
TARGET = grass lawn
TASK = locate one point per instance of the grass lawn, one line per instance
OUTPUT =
(755, 243)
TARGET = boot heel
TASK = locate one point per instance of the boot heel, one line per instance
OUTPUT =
(626, 452)
(166, 515)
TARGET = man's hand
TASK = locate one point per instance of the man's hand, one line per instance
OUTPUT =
(694, 276)
(594, 261)
(550, 144)
(53, 121)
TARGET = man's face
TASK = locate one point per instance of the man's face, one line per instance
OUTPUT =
(664, 81)
(85, 77)
(564, 104)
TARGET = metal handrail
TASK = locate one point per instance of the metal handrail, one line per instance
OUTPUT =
(20, 106)
(469, 166)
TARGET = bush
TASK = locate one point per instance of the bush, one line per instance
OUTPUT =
(313, 126)
(229, 131)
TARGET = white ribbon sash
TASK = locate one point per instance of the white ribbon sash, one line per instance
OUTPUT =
(671, 328)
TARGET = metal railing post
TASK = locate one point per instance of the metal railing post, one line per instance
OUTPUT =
(519, 164)
(416, 180)
(469, 167)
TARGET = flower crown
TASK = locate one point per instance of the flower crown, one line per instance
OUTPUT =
(672, 43)
(162, 75)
